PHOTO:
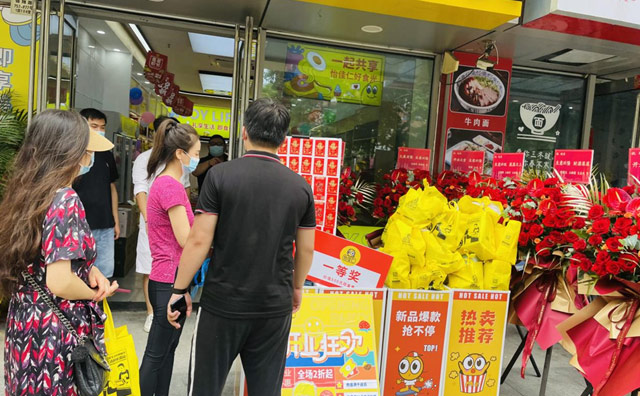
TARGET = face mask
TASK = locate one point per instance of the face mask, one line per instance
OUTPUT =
(85, 169)
(193, 164)
(216, 151)
(101, 133)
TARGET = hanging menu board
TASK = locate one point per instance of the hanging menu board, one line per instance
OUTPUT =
(318, 161)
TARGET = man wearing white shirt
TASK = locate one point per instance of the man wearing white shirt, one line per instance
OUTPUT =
(141, 185)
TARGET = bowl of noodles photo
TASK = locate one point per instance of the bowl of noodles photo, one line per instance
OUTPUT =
(479, 91)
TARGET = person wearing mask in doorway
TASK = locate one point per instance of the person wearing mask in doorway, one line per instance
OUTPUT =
(217, 155)
(252, 209)
(98, 193)
(141, 185)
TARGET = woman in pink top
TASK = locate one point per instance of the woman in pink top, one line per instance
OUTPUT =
(169, 220)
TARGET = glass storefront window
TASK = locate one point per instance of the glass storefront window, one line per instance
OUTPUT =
(612, 129)
(545, 114)
(375, 102)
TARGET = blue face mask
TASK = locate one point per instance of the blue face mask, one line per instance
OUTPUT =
(86, 169)
(193, 164)
(101, 133)
(216, 151)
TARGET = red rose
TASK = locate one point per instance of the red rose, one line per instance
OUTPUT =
(579, 245)
(599, 269)
(613, 267)
(549, 221)
(579, 223)
(595, 240)
(601, 226)
(622, 225)
(602, 257)
(577, 259)
(616, 200)
(536, 230)
(556, 237)
(523, 239)
(543, 251)
(571, 237)
(528, 214)
(585, 264)
(596, 212)
(628, 262)
(613, 244)
(547, 242)
(629, 189)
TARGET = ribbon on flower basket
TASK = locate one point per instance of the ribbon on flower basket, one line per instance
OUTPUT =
(542, 300)
(604, 339)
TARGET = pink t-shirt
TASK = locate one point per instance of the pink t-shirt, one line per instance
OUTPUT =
(166, 192)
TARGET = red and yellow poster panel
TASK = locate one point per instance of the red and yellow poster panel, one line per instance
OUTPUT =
(379, 301)
(415, 343)
(476, 342)
(332, 348)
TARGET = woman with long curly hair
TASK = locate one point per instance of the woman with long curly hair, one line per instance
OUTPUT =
(45, 234)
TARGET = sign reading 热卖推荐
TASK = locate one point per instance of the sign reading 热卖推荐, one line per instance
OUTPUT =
(467, 161)
(508, 165)
(476, 342)
(413, 158)
(573, 166)
(338, 262)
(415, 342)
(323, 73)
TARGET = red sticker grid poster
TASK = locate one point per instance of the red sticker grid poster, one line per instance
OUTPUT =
(318, 161)
(415, 342)
(574, 166)
(508, 165)
(477, 109)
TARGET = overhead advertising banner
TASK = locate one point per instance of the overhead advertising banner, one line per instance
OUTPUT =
(476, 343)
(338, 262)
(415, 342)
(332, 348)
(15, 38)
(208, 120)
(323, 73)
(477, 108)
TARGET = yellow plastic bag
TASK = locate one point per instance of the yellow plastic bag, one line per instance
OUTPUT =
(398, 276)
(470, 205)
(470, 276)
(419, 207)
(448, 227)
(480, 235)
(507, 241)
(497, 275)
(429, 277)
(124, 378)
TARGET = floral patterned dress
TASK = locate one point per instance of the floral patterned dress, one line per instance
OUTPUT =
(37, 352)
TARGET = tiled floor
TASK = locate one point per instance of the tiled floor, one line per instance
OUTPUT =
(563, 381)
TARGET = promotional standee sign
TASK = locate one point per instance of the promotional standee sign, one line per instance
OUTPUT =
(414, 158)
(508, 165)
(318, 161)
(467, 161)
(476, 342)
(338, 262)
(574, 166)
(477, 109)
(415, 342)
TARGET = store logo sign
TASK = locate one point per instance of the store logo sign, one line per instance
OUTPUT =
(539, 118)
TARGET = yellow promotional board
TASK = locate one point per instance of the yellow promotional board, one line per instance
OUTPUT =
(476, 342)
(323, 73)
(332, 347)
(207, 120)
(15, 37)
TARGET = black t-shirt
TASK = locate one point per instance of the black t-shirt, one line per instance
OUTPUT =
(260, 204)
(203, 175)
(94, 189)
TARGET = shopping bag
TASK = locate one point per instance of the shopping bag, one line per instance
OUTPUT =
(420, 207)
(448, 227)
(470, 276)
(124, 378)
(507, 241)
(398, 276)
(479, 237)
(497, 275)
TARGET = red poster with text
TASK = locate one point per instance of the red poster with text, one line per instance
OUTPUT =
(318, 160)
(155, 62)
(413, 158)
(415, 342)
(508, 165)
(466, 162)
(574, 166)
(338, 262)
(633, 178)
(477, 108)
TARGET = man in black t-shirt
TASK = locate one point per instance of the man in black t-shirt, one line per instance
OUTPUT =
(216, 155)
(257, 208)
(97, 191)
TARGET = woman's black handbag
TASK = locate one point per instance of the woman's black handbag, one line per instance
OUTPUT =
(90, 366)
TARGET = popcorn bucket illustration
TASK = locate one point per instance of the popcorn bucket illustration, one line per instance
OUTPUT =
(473, 373)
(472, 383)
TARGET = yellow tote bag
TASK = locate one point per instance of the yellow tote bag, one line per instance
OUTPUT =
(121, 354)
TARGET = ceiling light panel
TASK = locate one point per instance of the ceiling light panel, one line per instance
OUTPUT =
(211, 45)
(216, 84)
